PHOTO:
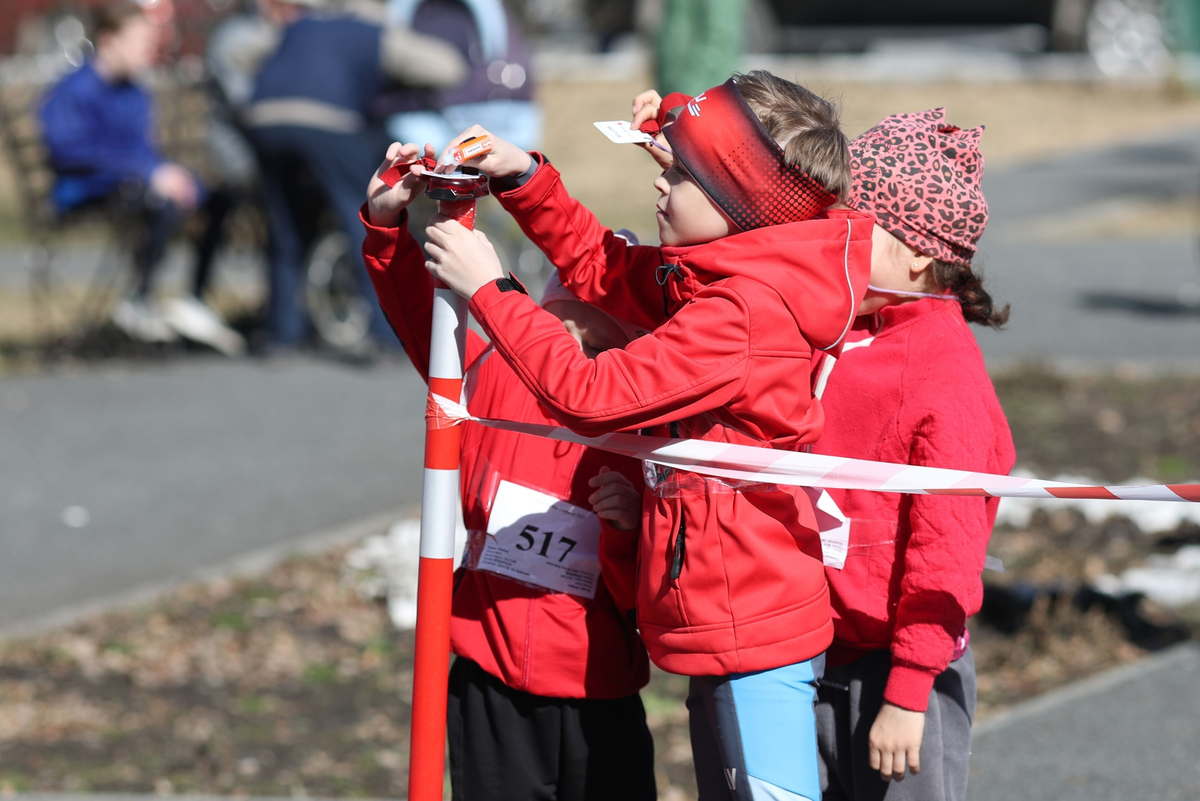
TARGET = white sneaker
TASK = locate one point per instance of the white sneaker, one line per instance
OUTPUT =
(142, 321)
(196, 321)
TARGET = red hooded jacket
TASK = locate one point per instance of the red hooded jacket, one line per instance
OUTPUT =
(729, 579)
(545, 643)
(911, 388)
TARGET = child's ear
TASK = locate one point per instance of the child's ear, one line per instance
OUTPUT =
(919, 265)
(920, 272)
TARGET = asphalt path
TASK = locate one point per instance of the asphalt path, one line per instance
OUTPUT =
(120, 478)
(1133, 732)
(1100, 300)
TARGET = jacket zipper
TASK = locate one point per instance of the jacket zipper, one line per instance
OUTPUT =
(680, 547)
(661, 275)
(681, 534)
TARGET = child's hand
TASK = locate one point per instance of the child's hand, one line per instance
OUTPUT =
(616, 500)
(896, 736)
(465, 260)
(645, 107)
(504, 159)
(384, 203)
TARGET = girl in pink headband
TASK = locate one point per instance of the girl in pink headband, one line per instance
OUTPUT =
(910, 387)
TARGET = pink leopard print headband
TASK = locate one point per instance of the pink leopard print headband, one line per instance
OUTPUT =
(921, 179)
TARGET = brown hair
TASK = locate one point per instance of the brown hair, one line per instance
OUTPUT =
(977, 304)
(805, 125)
(111, 17)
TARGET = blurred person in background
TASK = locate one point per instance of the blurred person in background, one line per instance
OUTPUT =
(498, 91)
(699, 44)
(97, 123)
(236, 49)
(312, 109)
(610, 20)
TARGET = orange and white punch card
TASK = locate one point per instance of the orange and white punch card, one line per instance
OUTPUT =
(465, 151)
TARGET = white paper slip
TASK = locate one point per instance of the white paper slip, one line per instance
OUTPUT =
(539, 539)
(619, 131)
(834, 526)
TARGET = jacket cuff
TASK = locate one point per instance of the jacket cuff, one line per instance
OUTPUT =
(510, 183)
(532, 191)
(486, 297)
(381, 241)
(908, 686)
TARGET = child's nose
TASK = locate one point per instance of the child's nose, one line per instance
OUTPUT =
(662, 184)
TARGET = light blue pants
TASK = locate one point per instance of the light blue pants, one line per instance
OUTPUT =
(754, 735)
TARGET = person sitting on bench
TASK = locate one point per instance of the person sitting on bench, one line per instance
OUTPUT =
(96, 123)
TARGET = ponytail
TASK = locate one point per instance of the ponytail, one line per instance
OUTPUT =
(977, 304)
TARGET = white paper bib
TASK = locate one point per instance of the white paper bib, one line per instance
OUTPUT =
(538, 539)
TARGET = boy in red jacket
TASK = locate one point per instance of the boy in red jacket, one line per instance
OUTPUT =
(910, 387)
(543, 694)
(757, 271)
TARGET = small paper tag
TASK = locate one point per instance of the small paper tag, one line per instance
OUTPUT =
(539, 539)
(619, 131)
(834, 526)
(994, 563)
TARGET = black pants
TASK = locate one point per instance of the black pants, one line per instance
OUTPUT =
(507, 744)
(342, 164)
(160, 219)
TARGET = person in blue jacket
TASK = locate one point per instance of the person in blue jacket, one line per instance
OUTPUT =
(97, 124)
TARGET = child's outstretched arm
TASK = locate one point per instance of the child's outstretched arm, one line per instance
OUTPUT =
(697, 361)
(596, 265)
(396, 263)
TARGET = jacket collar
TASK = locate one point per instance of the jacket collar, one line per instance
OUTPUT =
(819, 268)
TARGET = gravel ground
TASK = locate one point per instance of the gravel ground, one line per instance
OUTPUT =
(290, 683)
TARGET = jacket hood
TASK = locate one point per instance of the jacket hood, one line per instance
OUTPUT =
(819, 267)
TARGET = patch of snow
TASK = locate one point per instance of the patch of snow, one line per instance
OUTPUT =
(385, 566)
(1168, 580)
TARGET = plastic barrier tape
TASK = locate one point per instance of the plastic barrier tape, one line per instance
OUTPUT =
(753, 463)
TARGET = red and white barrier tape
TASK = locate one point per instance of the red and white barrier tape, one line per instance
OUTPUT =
(752, 463)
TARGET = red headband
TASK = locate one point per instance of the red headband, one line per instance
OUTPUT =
(736, 162)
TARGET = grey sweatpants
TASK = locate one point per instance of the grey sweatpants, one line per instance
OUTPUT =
(849, 699)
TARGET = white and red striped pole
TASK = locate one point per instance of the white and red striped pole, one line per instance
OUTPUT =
(457, 194)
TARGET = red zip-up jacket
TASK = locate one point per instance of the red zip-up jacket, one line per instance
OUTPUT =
(915, 393)
(544, 643)
(728, 580)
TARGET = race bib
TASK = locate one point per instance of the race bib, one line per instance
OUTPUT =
(538, 539)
